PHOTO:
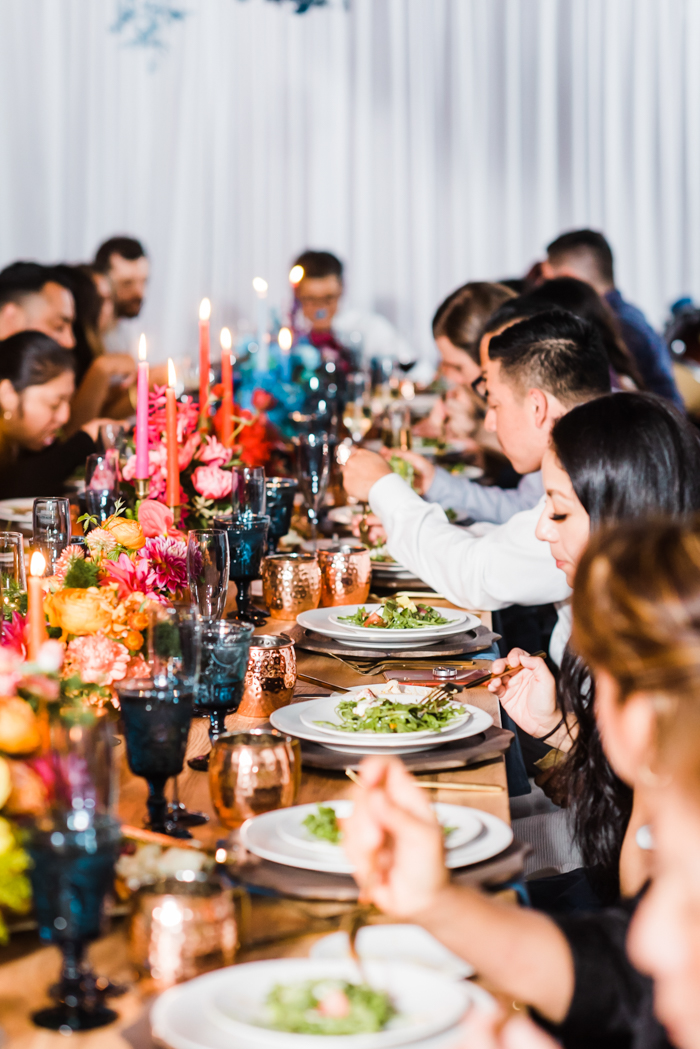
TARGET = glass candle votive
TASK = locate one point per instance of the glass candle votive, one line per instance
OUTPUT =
(291, 584)
(271, 675)
(346, 571)
(251, 773)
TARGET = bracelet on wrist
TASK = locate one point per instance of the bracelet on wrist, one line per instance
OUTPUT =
(541, 739)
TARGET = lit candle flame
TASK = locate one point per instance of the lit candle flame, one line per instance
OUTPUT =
(225, 339)
(296, 274)
(172, 376)
(260, 287)
(142, 347)
(284, 339)
(204, 310)
(37, 564)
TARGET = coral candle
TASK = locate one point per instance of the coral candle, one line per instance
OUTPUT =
(204, 363)
(142, 414)
(172, 484)
(227, 388)
(36, 625)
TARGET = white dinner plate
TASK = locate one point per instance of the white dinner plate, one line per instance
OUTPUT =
(325, 621)
(292, 830)
(400, 942)
(260, 835)
(288, 720)
(178, 1019)
(325, 710)
(19, 511)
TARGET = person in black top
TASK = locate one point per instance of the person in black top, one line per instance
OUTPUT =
(37, 380)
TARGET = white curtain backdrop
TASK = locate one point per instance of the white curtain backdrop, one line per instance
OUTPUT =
(427, 142)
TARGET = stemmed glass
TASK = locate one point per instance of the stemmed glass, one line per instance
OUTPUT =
(247, 543)
(208, 562)
(13, 578)
(52, 528)
(74, 847)
(101, 483)
(314, 458)
(280, 492)
(357, 413)
(225, 648)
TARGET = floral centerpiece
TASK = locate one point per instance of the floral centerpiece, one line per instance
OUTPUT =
(205, 463)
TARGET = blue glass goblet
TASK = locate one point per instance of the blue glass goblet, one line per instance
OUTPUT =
(247, 543)
(73, 858)
(225, 649)
(280, 504)
(156, 715)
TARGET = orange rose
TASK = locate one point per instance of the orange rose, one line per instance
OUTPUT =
(19, 729)
(133, 640)
(127, 533)
(78, 611)
(138, 621)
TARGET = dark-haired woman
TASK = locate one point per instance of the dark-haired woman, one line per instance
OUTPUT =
(616, 458)
(37, 380)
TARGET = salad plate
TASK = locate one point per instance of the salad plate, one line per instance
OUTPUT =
(289, 720)
(375, 705)
(484, 836)
(401, 621)
(395, 942)
(179, 1020)
(326, 621)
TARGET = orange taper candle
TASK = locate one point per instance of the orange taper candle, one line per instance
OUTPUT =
(172, 483)
(36, 624)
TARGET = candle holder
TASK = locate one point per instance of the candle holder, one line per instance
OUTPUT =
(142, 487)
(176, 512)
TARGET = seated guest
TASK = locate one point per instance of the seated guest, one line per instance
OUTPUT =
(586, 255)
(616, 458)
(537, 371)
(37, 297)
(636, 624)
(123, 261)
(317, 295)
(36, 387)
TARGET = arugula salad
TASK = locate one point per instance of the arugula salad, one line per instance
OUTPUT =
(397, 614)
(389, 710)
(327, 1007)
(324, 825)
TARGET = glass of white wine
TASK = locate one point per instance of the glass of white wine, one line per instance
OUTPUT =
(357, 413)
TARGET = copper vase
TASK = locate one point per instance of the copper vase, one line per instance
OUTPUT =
(291, 584)
(270, 677)
(346, 570)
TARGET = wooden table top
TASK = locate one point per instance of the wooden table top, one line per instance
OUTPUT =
(279, 927)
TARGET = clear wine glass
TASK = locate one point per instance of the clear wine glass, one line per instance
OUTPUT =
(357, 413)
(51, 525)
(314, 460)
(101, 485)
(249, 482)
(208, 562)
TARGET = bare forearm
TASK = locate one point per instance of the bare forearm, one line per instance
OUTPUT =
(521, 952)
(89, 398)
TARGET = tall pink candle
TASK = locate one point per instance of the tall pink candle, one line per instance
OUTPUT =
(172, 481)
(204, 360)
(142, 414)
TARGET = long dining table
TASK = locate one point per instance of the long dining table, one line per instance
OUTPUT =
(277, 926)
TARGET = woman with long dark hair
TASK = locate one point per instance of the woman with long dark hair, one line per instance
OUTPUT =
(617, 458)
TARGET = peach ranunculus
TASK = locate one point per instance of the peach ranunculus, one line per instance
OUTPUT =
(78, 611)
(19, 728)
(155, 518)
(97, 659)
(126, 531)
(211, 482)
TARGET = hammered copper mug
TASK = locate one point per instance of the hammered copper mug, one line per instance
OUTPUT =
(270, 677)
(251, 773)
(291, 584)
(346, 571)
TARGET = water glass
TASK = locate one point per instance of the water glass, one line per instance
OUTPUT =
(314, 461)
(51, 525)
(13, 576)
(279, 497)
(225, 650)
(174, 644)
(247, 543)
(101, 485)
(208, 563)
(252, 772)
(249, 490)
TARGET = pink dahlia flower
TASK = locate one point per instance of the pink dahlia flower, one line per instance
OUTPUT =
(167, 562)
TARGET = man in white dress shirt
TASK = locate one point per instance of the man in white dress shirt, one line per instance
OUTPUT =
(536, 371)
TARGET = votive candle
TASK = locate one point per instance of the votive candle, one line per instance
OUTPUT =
(172, 484)
(36, 624)
(204, 359)
(142, 414)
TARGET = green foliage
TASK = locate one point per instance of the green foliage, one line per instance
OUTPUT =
(82, 574)
(13, 599)
(15, 887)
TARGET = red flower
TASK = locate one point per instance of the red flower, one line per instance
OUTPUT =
(262, 400)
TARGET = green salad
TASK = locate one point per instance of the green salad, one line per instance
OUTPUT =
(404, 469)
(397, 614)
(370, 713)
(323, 824)
(327, 1007)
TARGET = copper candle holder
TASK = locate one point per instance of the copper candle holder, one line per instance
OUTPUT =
(270, 677)
(251, 773)
(291, 584)
(346, 570)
